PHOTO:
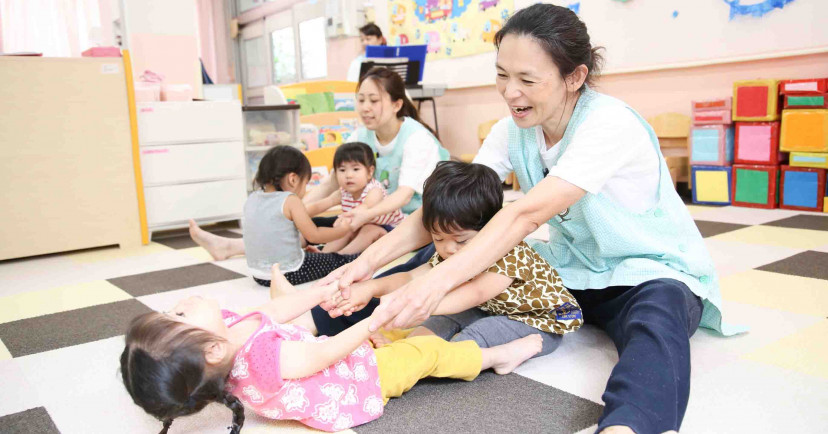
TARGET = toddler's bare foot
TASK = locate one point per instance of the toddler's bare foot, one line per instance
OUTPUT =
(505, 358)
(278, 284)
(219, 248)
(379, 339)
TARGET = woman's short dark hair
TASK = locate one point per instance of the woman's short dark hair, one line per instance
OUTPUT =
(371, 29)
(460, 196)
(354, 152)
(561, 34)
(279, 162)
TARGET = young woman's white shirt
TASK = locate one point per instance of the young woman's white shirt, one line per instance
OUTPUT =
(420, 157)
(353, 69)
(610, 153)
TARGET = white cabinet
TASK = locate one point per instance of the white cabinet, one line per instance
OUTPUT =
(192, 162)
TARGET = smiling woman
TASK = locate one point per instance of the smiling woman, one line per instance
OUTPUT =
(407, 149)
(627, 248)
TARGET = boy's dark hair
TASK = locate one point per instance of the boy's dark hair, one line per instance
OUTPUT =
(277, 163)
(371, 29)
(163, 369)
(460, 196)
(354, 152)
(561, 34)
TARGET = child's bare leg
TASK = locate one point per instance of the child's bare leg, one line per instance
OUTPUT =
(278, 284)
(503, 359)
(364, 238)
(220, 248)
(336, 245)
(421, 331)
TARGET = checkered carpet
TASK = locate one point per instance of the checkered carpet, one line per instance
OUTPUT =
(62, 319)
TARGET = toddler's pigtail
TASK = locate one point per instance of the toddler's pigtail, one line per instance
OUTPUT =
(236, 406)
(167, 423)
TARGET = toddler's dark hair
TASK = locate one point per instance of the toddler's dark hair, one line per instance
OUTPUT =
(277, 163)
(460, 196)
(354, 152)
(163, 369)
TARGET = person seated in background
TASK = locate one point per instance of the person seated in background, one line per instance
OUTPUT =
(369, 34)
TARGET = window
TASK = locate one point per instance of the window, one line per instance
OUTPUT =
(283, 50)
(254, 56)
(313, 48)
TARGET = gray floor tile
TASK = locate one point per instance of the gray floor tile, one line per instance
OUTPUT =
(490, 404)
(183, 241)
(805, 264)
(33, 421)
(709, 229)
(176, 278)
(804, 221)
(64, 329)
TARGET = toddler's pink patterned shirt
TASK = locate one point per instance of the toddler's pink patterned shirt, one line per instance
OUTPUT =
(341, 396)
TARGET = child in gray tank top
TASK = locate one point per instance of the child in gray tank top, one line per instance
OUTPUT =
(275, 221)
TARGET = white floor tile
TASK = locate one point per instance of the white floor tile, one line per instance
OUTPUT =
(581, 365)
(744, 216)
(237, 264)
(732, 257)
(746, 396)
(238, 295)
(18, 394)
(36, 274)
(163, 260)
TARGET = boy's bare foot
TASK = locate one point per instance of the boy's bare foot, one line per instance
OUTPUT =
(379, 339)
(219, 248)
(278, 284)
(505, 358)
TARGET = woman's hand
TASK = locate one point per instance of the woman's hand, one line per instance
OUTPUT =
(360, 295)
(359, 217)
(357, 271)
(408, 306)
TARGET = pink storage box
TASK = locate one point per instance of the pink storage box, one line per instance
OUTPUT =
(147, 92)
(176, 92)
(102, 52)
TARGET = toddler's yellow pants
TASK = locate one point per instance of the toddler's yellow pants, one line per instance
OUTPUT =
(403, 363)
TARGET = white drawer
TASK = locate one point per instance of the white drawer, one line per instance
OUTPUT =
(193, 162)
(189, 122)
(177, 203)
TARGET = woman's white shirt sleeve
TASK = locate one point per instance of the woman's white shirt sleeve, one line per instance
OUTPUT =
(420, 157)
(494, 152)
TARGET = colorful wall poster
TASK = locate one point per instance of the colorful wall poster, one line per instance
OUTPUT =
(450, 28)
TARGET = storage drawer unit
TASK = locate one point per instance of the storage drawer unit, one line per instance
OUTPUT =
(192, 162)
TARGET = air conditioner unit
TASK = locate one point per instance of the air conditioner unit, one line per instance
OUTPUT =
(344, 17)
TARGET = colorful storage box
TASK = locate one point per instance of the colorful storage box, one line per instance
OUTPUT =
(805, 101)
(802, 188)
(712, 117)
(711, 105)
(711, 145)
(756, 100)
(809, 159)
(757, 143)
(755, 186)
(803, 86)
(804, 131)
(711, 185)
